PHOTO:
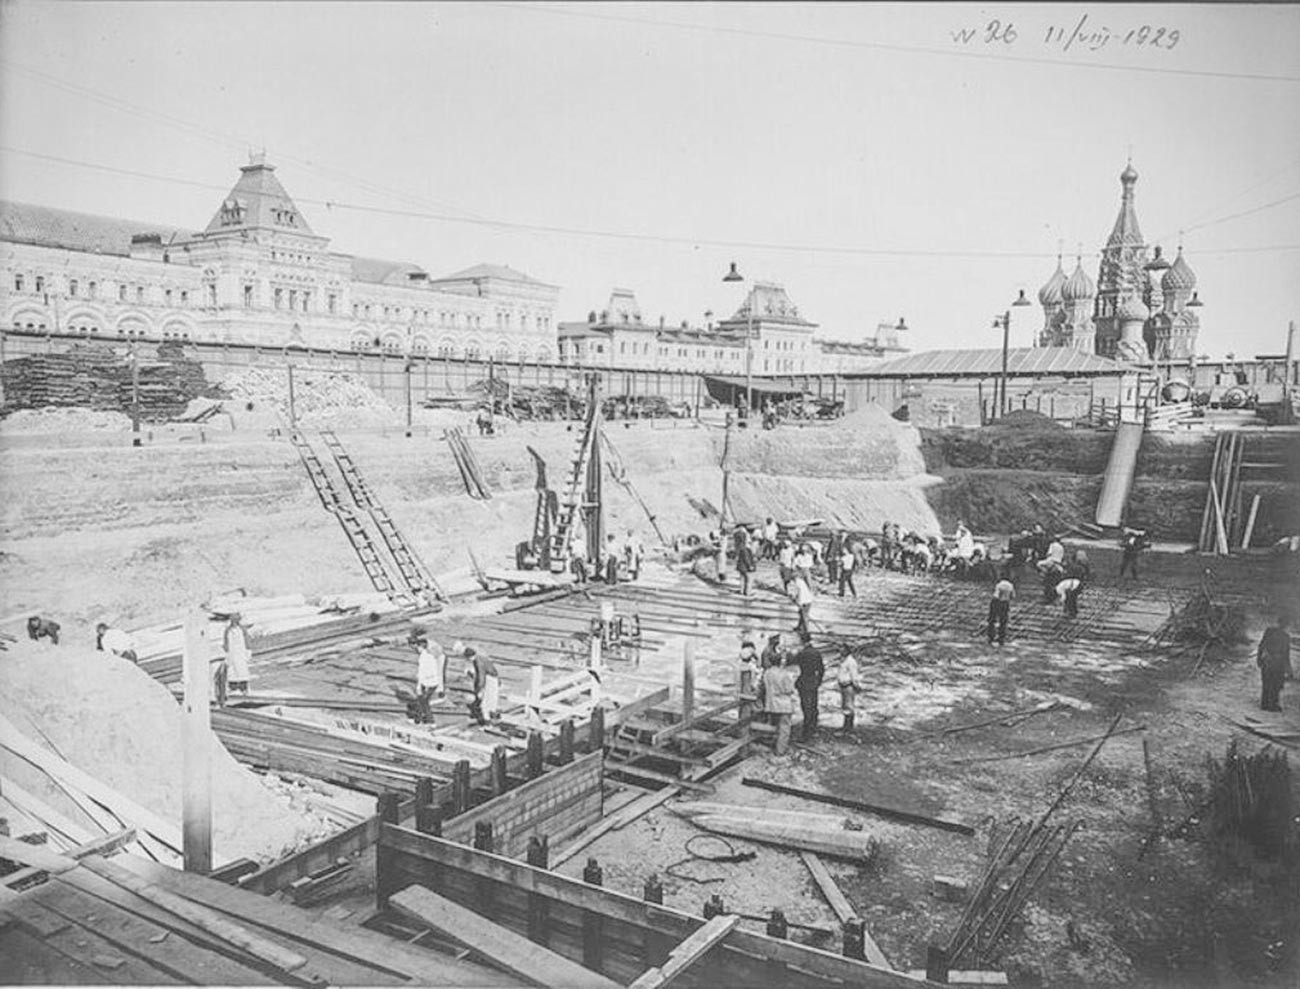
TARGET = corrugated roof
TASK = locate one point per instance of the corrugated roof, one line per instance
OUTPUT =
(24, 223)
(1021, 361)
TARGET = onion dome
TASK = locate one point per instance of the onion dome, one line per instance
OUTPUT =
(1078, 286)
(1158, 263)
(1050, 294)
(1132, 309)
(1179, 277)
(1129, 175)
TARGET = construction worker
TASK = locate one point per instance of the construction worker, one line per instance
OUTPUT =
(785, 564)
(1068, 592)
(1133, 542)
(849, 679)
(238, 656)
(430, 676)
(848, 563)
(803, 598)
(770, 532)
(803, 563)
(115, 641)
(611, 560)
(812, 671)
(486, 705)
(745, 562)
(778, 692)
(1274, 660)
(834, 550)
(1004, 592)
(634, 552)
(42, 628)
(578, 565)
(771, 655)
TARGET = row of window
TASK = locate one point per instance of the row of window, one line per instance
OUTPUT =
(126, 292)
(446, 349)
(91, 330)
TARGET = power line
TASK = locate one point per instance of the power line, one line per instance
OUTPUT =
(535, 228)
(221, 138)
(888, 46)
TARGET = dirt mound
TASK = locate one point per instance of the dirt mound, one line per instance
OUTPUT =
(867, 444)
(322, 399)
(55, 419)
(107, 717)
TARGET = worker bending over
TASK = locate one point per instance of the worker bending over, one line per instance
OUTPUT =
(115, 641)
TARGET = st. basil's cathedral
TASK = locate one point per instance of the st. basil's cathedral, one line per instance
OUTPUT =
(1139, 309)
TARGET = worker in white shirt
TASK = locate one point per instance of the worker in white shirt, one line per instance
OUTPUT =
(803, 597)
(115, 641)
(634, 552)
(848, 561)
(238, 655)
(770, 532)
(430, 676)
(849, 679)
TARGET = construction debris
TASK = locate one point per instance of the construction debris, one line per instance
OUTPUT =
(890, 813)
(1250, 802)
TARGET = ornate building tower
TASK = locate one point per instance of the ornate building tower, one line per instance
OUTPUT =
(1121, 273)
(1174, 327)
(1049, 297)
(1077, 295)
(1132, 315)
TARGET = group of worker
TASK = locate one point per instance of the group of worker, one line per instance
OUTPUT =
(619, 563)
(431, 679)
(785, 676)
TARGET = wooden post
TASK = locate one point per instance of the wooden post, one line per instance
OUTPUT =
(388, 807)
(460, 789)
(293, 409)
(566, 741)
(714, 906)
(593, 947)
(688, 680)
(936, 964)
(653, 891)
(539, 854)
(596, 730)
(423, 791)
(1250, 523)
(536, 755)
(777, 925)
(196, 796)
(428, 820)
(499, 779)
(854, 942)
(135, 394)
(483, 841)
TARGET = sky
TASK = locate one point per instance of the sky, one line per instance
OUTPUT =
(922, 161)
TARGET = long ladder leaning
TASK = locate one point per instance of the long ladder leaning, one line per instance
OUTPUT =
(574, 496)
(414, 574)
(353, 528)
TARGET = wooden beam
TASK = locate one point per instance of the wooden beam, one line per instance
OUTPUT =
(106, 845)
(350, 942)
(888, 812)
(687, 953)
(843, 909)
(196, 748)
(511, 952)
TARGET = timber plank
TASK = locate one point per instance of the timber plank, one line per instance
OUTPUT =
(843, 909)
(359, 944)
(174, 956)
(687, 953)
(506, 949)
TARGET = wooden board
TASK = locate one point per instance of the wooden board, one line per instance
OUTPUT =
(507, 950)
(843, 909)
(687, 953)
(357, 943)
(854, 846)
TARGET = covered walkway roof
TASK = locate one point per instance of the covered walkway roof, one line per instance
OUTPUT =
(1021, 362)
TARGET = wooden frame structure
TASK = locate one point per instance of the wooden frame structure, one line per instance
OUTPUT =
(611, 933)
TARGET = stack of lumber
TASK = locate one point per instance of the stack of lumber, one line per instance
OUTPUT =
(367, 763)
(99, 378)
(277, 626)
(318, 885)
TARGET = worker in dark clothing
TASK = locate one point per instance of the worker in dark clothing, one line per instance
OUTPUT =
(745, 562)
(812, 670)
(1273, 659)
(42, 628)
(1004, 592)
(1133, 542)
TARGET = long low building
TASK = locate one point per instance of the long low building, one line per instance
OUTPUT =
(257, 274)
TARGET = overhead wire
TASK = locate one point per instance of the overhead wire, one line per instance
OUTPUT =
(333, 204)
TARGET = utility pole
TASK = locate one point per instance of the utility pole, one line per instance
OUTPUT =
(1006, 337)
(408, 396)
(135, 393)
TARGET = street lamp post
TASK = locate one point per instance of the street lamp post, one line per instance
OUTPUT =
(735, 276)
(1004, 321)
